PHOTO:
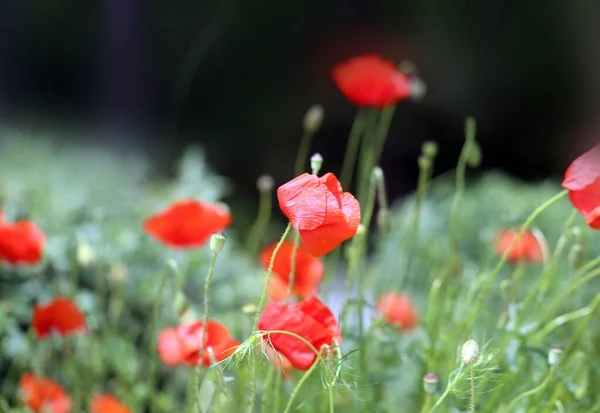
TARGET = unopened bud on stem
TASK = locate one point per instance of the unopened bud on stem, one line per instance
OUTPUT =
(470, 351)
(217, 242)
(554, 356)
(429, 149)
(313, 119)
(265, 183)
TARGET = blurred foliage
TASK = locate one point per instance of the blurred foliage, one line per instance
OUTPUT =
(95, 200)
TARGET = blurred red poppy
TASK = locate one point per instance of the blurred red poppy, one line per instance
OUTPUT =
(107, 403)
(280, 362)
(397, 310)
(320, 210)
(43, 395)
(60, 315)
(21, 242)
(188, 223)
(370, 80)
(527, 248)
(308, 271)
(310, 319)
(182, 344)
(582, 179)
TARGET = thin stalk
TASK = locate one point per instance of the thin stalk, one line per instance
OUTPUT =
(290, 402)
(352, 148)
(259, 310)
(302, 154)
(293, 264)
(450, 387)
(261, 223)
(207, 282)
(472, 401)
(511, 406)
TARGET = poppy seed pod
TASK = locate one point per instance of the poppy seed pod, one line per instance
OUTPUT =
(316, 161)
(217, 242)
(265, 183)
(430, 383)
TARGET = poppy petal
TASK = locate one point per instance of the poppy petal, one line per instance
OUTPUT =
(303, 201)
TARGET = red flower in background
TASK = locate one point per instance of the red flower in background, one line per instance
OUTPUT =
(370, 80)
(182, 344)
(43, 395)
(308, 271)
(107, 403)
(310, 319)
(582, 179)
(397, 310)
(188, 223)
(320, 210)
(527, 248)
(60, 315)
(21, 242)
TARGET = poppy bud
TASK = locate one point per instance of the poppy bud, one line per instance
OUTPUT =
(408, 67)
(576, 233)
(424, 162)
(316, 161)
(217, 242)
(554, 356)
(180, 303)
(265, 183)
(377, 174)
(249, 308)
(418, 89)
(474, 158)
(576, 256)
(429, 149)
(117, 273)
(430, 383)
(470, 351)
(313, 119)
(85, 253)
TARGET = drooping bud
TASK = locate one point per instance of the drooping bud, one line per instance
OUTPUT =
(470, 351)
(313, 119)
(217, 242)
(475, 156)
(117, 273)
(316, 161)
(265, 183)
(424, 162)
(554, 356)
(576, 256)
(430, 383)
(180, 303)
(429, 149)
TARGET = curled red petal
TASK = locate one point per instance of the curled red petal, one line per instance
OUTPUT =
(303, 201)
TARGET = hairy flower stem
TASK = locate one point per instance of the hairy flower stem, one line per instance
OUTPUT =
(259, 310)
(490, 279)
(261, 223)
(450, 387)
(460, 182)
(293, 264)
(198, 375)
(290, 402)
(472, 401)
(170, 267)
(511, 406)
(352, 148)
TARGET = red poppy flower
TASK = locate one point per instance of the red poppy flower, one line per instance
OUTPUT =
(60, 315)
(310, 319)
(582, 179)
(370, 80)
(43, 395)
(308, 271)
(107, 403)
(527, 248)
(397, 310)
(320, 210)
(188, 223)
(21, 242)
(182, 344)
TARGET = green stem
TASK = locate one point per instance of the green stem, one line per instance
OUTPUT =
(472, 402)
(268, 388)
(352, 148)
(288, 407)
(259, 310)
(488, 283)
(331, 400)
(451, 386)
(207, 282)
(528, 393)
(461, 169)
(261, 223)
(154, 330)
(303, 152)
(293, 264)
